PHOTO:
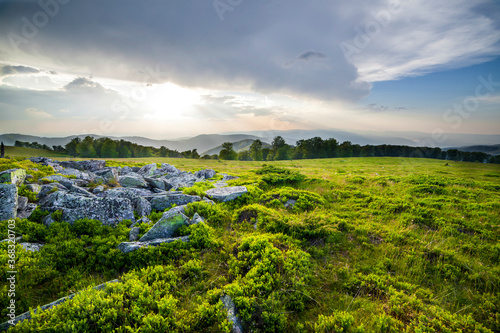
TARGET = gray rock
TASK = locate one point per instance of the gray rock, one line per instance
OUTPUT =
(47, 162)
(162, 202)
(98, 189)
(205, 174)
(13, 176)
(183, 180)
(166, 226)
(156, 183)
(225, 194)
(55, 178)
(22, 203)
(132, 180)
(50, 188)
(48, 220)
(26, 212)
(8, 201)
(108, 174)
(109, 211)
(35, 188)
(232, 316)
(80, 191)
(124, 170)
(227, 177)
(141, 206)
(92, 165)
(133, 235)
(32, 247)
(147, 170)
(170, 169)
(88, 176)
(290, 203)
(127, 192)
(207, 200)
(197, 219)
(127, 247)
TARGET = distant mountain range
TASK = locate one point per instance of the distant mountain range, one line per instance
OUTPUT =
(237, 146)
(210, 143)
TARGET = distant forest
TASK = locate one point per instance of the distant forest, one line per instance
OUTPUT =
(304, 149)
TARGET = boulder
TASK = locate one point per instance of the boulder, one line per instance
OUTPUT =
(47, 162)
(196, 219)
(50, 188)
(48, 220)
(205, 174)
(225, 194)
(22, 203)
(170, 169)
(92, 165)
(98, 189)
(127, 192)
(226, 177)
(133, 235)
(26, 212)
(232, 317)
(13, 176)
(132, 180)
(89, 176)
(124, 170)
(8, 201)
(108, 174)
(182, 180)
(32, 247)
(81, 191)
(141, 206)
(158, 183)
(162, 202)
(110, 211)
(35, 188)
(56, 178)
(290, 203)
(166, 226)
(127, 247)
(147, 170)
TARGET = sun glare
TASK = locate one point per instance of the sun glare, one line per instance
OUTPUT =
(168, 99)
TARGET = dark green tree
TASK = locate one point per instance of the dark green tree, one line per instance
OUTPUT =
(109, 149)
(2, 150)
(72, 147)
(227, 152)
(256, 150)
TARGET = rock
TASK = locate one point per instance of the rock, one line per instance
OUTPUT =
(109, 175)
(127, 192)
(80, 191)
(127, 247)
(205, 174)
(232, 317)
(166, 226)
(22, 202)
(55, 178)
(89, 176)
(35, 188)
(124, 170)
(170, 169)
(155, 183)
(147, 170)
(197, 219)
(207, 200)
(13, 176)
(162, 202)
(182, 180)
(98, 189)
(48, 220)
(110, 211)
(227, 177)
(132, 180)
(141, 206)
(92, 165)
(26, 212)
(225, 194)
(290, 203)
(135, 169)
(143, 219)
(32, 247)
(133, 235)
(50, 188)
(47, 162)
(8, 201)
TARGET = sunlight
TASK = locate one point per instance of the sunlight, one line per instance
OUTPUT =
(170, 99)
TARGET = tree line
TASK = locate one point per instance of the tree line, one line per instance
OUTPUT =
(304, 149)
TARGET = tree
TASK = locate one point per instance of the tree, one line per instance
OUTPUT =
(86, 148)
(279, 150)
(72, 147)
(256, 150)
(124, 152)
(227, 152)
(2, 150)
(194, 154)
(244, 156)
(109, 149)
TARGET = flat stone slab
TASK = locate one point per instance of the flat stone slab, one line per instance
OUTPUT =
(127, 247)
(166, 226)
(224, 194)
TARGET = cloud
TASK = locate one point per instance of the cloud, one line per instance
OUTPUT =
(37, 114)
(374, 107)
(11, 70)
(82, 84)
(308, 55)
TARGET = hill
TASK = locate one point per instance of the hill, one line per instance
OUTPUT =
(492, 150)
(28, 152)
(238, 146)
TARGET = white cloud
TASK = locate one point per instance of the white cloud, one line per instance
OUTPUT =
(37, 114)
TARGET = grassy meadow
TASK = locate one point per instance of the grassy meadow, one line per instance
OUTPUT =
(371, 245)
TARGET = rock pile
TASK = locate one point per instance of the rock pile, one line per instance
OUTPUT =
(89, 189)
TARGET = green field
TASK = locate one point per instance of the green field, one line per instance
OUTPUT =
(372, 245)
(11, 151)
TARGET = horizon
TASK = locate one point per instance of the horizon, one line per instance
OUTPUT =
(125, 70)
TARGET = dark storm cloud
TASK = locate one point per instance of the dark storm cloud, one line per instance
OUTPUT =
(191, 45)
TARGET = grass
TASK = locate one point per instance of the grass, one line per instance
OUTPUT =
(390, 245)
(13, 152)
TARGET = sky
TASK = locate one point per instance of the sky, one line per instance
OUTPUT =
(166, 69)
